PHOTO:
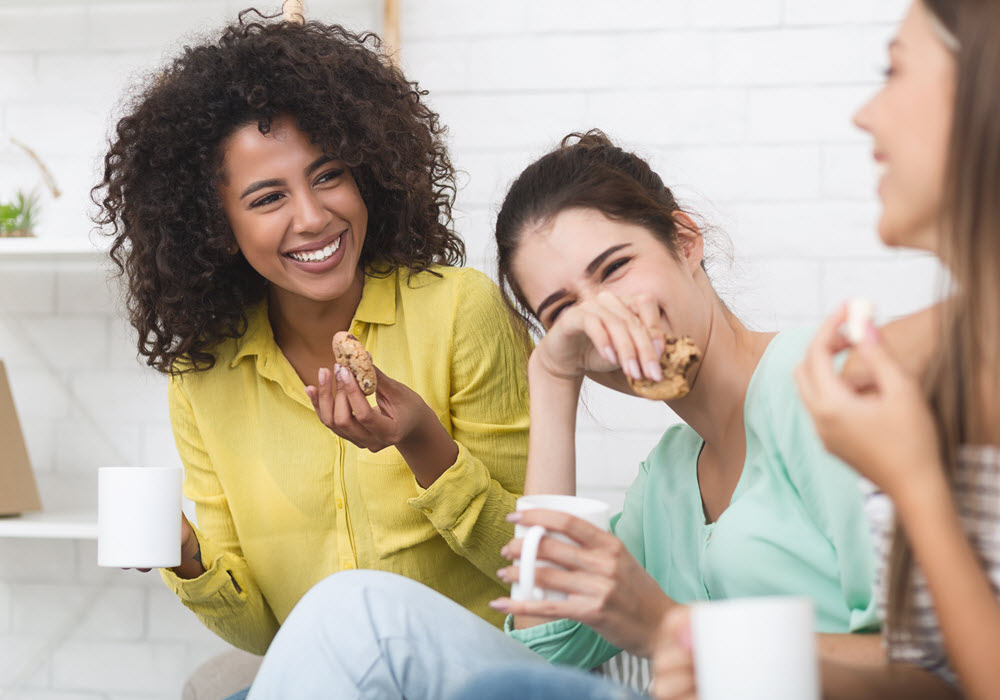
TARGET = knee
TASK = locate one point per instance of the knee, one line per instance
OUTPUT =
(347, 591)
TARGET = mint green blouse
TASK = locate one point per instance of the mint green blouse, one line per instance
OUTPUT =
(795, 524)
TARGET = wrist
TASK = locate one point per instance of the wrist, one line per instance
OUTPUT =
(428, 449)
(922, 492)
(542, 374)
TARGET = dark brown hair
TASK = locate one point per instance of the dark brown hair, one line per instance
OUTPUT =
(186, 292)
(969, 339)
(587, 171)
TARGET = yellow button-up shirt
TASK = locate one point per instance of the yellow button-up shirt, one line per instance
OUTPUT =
(282, 502)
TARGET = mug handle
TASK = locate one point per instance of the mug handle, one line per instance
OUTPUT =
(529, 556)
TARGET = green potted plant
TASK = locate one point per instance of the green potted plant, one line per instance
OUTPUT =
(19, 215)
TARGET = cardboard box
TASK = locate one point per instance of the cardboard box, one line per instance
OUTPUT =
(18, 490)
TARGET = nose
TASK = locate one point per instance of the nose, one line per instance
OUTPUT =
(310, 216)
(863, 117)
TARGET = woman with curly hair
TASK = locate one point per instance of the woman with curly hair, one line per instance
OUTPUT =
(265, 191)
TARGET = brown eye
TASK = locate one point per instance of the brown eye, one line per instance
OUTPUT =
(613, 267)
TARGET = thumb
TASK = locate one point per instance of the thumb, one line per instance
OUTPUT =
(678, 626)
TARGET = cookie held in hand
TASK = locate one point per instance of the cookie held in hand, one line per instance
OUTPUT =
(350, 353)
(679, 360)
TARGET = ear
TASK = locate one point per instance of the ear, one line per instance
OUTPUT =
(692, 244)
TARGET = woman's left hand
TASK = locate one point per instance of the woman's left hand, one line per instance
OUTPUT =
(607, 589)
(402, 419)
(886, 430)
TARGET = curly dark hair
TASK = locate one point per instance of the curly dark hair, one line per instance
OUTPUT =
(158, 199)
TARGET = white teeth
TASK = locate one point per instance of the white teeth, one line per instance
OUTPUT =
(317, 255)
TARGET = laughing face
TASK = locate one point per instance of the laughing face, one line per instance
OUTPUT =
(910, 122)
(581, 252)
(296, 212)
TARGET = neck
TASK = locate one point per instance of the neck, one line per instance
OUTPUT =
(305, 324)
(714, 408)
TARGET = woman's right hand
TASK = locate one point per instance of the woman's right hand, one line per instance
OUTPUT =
(603, 334)
(673, 664)
(191, 565)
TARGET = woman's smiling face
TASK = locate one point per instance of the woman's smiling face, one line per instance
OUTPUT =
(910, 122)
(296, 212)
(581, 252)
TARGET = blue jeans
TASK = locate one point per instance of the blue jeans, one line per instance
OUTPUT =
(534, 682)
(241, 695)
(372, 634)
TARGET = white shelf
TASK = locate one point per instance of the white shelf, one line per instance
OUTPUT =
(68, 525)
(52, 249)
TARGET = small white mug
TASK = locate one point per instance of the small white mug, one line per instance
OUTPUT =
(593, 511)
(755, 649)
(139, 517)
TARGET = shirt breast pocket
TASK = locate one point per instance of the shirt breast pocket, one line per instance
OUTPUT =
(386, 484)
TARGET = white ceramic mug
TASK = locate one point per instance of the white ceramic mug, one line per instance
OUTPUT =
(755, 649)
(139, 517)
(593, 511)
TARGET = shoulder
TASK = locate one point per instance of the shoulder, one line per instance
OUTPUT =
(911, 340)
(678, 442)
(443, 280)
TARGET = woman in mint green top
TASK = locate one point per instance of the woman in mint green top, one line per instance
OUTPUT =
(794, 526)
(741, 501)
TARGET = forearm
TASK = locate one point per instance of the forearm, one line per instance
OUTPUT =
(964, 601)
(859, 650)
(552, 439)
(846, 682)
(428, 451)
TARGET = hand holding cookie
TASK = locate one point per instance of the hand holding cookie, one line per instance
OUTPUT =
(400, 417)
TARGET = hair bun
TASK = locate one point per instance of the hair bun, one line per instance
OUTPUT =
(594, 138)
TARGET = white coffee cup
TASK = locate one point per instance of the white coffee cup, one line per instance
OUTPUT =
(139, 517)
(755, 649)
(593, 511)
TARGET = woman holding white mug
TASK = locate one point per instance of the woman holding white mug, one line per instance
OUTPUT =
(741, 501)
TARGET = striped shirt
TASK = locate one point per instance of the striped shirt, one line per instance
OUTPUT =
(976, 490)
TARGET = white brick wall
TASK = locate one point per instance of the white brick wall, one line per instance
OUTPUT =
(743, 106)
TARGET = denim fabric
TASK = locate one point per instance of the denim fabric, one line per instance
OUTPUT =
(534, 682)
(373, 634)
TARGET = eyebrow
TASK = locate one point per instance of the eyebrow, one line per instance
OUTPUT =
(262, 184)
(591, 269)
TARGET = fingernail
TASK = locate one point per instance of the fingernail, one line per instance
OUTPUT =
(502, 573)
(610, 356)
(659, 344)
(504, 551)
(653, 371)
(633, 369)
(498, 605)
(324, 375)
(342, 374)
(871, 333)
(514, 517)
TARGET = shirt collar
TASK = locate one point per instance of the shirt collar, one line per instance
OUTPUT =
(377, 305)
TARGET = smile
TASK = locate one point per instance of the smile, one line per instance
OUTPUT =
(318, 255)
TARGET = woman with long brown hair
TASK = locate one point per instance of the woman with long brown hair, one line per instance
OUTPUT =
(934, 445)
(924, 425)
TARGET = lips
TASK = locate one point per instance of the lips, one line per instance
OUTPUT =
(317, 254)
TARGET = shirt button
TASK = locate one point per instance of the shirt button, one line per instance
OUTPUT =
(340, 503)
(357, 329)
(428, 510)
(348, 565)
